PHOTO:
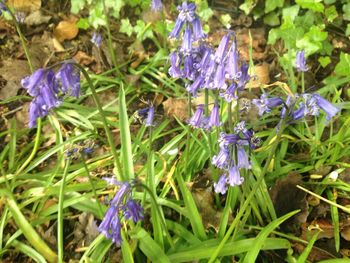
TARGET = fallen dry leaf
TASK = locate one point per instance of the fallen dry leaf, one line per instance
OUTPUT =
(261, 76)
(83, 59)
(27, 6)
(36, 18)
(176, 108)
(66, 30)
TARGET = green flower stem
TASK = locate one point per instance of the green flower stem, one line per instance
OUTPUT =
(302, 82)
(92, 187)
(23, 42)
(104, 121)
(110, 44)
(250, 196)
(188, 136)
(35, 148)
(28, 231)
(60, 238)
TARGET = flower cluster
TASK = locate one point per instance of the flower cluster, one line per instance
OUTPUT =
(233, 156)
(121, 206)
(48, 88)
(156, 5)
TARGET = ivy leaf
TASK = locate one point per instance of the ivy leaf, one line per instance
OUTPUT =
(126, 27)
(313, 5)
(271, 5)
(83, 23)
(324, 61)
(76, 6)
(142, 30)
(291, 12)
(346, 10)
(331, 13)
(272, 19)
(248, 6)
(343, 67)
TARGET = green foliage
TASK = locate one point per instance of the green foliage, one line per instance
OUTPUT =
(343, 67)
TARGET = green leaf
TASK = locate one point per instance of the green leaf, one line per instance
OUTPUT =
(248, 6)
(204, 11)
(331, 13)
(83, 23)
(271, 5)
(291, 12)
(347, 32)
(312, 40)
(142, 30)
(272, 19)
(149, 247)
(343, 67)
(260, 239)
(313, 5)
(324, 61)
(77, 5)
(126, 27)
(346, 10)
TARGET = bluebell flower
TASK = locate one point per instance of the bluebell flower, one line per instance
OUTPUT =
(219, 78)
(96, 39)
(234, 177)
(300, 62)
(232, 70)
(36, 110)
(175, 33)
(49, 91)
(187, 11)
(32, 83)
(221, 185)
(221, 51)
(222, 159)
(196, 120)
(230, 93)
(186, 47)
(299, 113)
(325, 105)
(242, 158)
(288, 105)
(197, 29)
(175, 63)
(227, 139)
(214, 119)
(69, 76)
(121, 205)
(156, 5)
(266, 104)
(133, 210)
(195, 86)
(150, 116)
(20, 17)
(244, 77)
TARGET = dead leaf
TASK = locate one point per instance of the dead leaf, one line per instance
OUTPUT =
(176, 108)
(10, 82)
(260, 76)
(66, 30)
(83, 59)
(36, 18)
(27, 6)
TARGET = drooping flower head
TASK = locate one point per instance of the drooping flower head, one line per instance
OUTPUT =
(121, 206)
(300, 62)
(266, 104)
(315, 102)
(221, 185)
(69, 76)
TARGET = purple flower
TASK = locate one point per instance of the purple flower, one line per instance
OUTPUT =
(232, 71)
(195, 86)
(186, 47)
(36, 110)
(244, 77)
(20, 16)
(227, 139)
(265, 104)
(214, 119)
(133, 210)
(2, 7)
(150, 117)
(222, 159)
(175, 62)
(230, 92)
(121, 204)
(222, 49)
(197, 29)
(221, 185)
(32, 82)
(156, 5)
(299, 113)
(197, 118)
(175, 33)
(69, 76)
(287, 105)
(48, 91)
(300, 62)
(234, 177)
(325, 105)
(187, 11)
(96, 39)
(242, 158)
(219, 78)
